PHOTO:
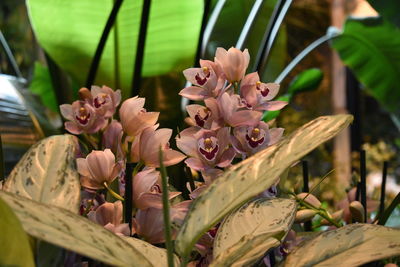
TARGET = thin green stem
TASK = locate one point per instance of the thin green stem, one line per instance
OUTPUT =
(114, 194)
(320, 211)
(167, 222)
(315, 186)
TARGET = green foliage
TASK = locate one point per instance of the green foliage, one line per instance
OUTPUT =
(246, 234)
(41, 85)
(371, 48)
(69, 31)
(307, 80)
(252, 176)
(76, 233)
(47, 173)
(389, 9)
(14, 244)
(351, 245)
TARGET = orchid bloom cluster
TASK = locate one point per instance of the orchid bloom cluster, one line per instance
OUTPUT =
(111, 144)
(229, 124)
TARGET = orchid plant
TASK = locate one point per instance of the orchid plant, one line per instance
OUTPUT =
(233, 216)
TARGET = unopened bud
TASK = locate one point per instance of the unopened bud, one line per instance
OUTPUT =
(310, 199)
(84, 93)
(357, 211)
(304, 215)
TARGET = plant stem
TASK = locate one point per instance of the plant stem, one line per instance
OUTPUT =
(100, 47)
(114, 194)
(386, 214)
(137, 74)
(2, 172)
(320, 211)
(383, 187)
(363, 177)
(167, 222)
(130, 173)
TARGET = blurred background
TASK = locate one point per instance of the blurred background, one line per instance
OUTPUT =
(354, 69)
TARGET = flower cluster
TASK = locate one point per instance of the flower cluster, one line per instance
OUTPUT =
(110, 144)
(228, 124)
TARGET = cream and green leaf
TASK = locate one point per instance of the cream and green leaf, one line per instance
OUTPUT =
(351, 245)
(246, 234)
(76, 233)
(47, 173)
(252, 176)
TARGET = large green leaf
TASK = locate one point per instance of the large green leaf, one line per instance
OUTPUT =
(14, 244)
(252, 176)
(70, 31)
(371, 48)
(307, 80)
(245, 235)
(47, 173)
(351, 245)
(389, 9)
(41, 85)
(76, 233)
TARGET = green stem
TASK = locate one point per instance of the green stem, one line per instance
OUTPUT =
(321, 212)
(114, 194)
(167, 222)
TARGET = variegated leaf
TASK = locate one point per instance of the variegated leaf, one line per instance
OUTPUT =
(76, 233)
(156, 256)
(47, 173)
(246, 234)
(351, 245)
(252, 176)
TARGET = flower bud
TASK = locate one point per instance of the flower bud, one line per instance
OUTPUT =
(310, 199)
(304, 215)
(357, 211)
(84, 93)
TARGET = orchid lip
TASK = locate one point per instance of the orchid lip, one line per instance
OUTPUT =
(256, 138)
(210, 150)
(99, 101)
(200, 121)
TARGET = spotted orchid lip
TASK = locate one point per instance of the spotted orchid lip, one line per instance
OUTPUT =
(200, 121)
(201, 81)
(209, 155)
(253, 143)
(83, 120)
(99, 102)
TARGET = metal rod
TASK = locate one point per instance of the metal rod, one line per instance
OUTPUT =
(363, 183)
(306, 188)
(249, 22)
(100, 47)
(383, 188)
(10, 56)
(137, 74)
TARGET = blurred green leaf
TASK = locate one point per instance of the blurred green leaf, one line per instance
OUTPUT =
(307, 80)
(41, 85)
(14, 244)
(69, 31)
(389, 9)
(371, 48)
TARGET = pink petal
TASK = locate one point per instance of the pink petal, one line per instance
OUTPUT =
(192, 109)
(272, 105)
(273, 90)
(82, 167)
(105, 213)
(187, 144)
(149, 200)
(90, 183)
(122, 229)
(227, 157)
(275, 135)
(72, 127)
(66, 111)
(245, 117)
(195, 164)
(193, 93)
(172, 157)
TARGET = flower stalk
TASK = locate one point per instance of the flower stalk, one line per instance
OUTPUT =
(165, 201)
(113, 193)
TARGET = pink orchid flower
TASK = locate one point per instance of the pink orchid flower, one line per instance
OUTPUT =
(134, 118)
(257, 95)
(82, 118)
(146, 147)
(109, 215)
(228, 106)
(149, 223)
(206, 149)
(208, 117)
(146, 189)
(248, 140)
(105, 100)
(233, 62)
(97, 168)
(112, 138)
(207, 81)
